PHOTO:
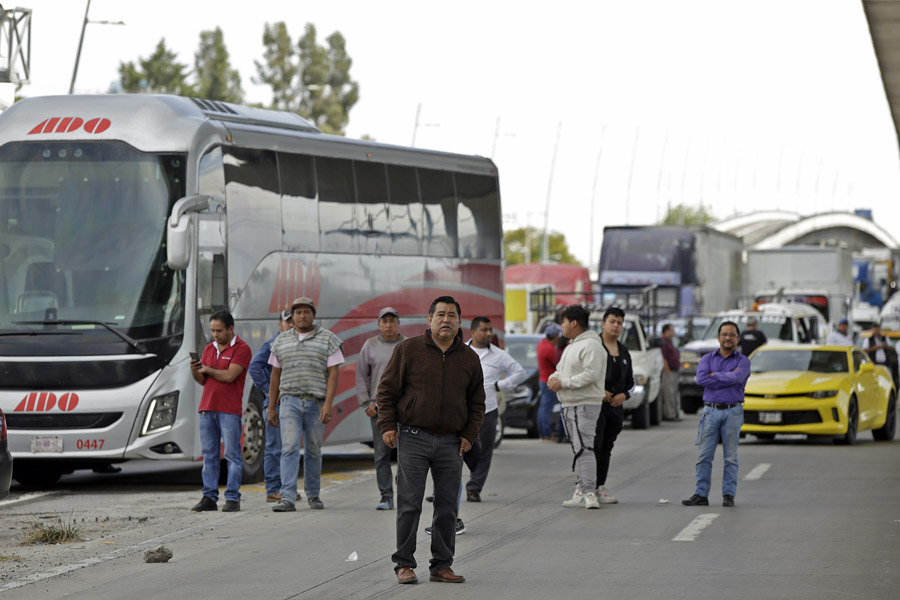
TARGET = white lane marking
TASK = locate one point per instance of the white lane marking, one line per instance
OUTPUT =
(757, 472)
(23, 498)
(690, 533)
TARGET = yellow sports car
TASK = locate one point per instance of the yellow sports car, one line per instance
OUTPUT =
(818, 390)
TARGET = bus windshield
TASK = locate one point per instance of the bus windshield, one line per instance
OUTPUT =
(82, 232)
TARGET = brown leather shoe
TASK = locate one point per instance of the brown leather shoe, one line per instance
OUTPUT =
(273, 497)
(447, 576)
(406, 575)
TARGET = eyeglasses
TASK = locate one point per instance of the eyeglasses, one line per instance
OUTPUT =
(728, 335)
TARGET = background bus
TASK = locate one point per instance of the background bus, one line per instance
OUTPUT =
(126, 220)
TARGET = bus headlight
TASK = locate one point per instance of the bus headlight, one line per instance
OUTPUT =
(161, 414)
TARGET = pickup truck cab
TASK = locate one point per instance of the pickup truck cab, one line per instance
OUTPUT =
(798, 323)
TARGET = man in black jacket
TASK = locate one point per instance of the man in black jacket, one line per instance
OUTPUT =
(430, 407)
(619, 384)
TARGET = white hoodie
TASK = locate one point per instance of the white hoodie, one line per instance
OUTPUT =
(582, 371)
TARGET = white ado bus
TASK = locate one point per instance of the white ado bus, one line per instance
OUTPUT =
(126, 220)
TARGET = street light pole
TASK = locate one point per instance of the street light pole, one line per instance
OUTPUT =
(80, 44)
(87, 9)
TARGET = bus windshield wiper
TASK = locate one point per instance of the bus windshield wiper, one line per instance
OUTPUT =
(36, 332)
(129, 340)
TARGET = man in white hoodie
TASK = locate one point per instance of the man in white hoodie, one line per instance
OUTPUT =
(579, 381)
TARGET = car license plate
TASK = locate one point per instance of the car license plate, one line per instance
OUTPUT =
(770, 417)
(46, 443)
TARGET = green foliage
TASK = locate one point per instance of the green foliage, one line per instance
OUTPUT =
(216, 80)
(159, 73)
(311, 79)
(524, 245)
(682, 214)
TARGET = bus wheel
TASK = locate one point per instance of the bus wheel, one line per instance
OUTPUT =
(254, 423)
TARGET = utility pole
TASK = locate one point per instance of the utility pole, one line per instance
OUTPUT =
(545, 242)
(84, 23)
(15, 52)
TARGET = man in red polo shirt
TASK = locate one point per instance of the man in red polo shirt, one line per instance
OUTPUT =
(221, 371)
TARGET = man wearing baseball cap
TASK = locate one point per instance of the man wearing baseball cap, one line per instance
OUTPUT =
(373, 358)
(305, 363)
(261, 373)
(839, 337)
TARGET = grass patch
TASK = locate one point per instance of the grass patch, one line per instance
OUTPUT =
(10, 558)
(53, 533)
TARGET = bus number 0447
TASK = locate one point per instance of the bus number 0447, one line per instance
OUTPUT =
(89, 444)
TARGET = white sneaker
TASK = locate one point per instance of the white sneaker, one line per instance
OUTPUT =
(603, 496)
(590, 500)
(576, 499)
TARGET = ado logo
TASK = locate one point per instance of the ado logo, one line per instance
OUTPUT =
(44, 401)
(70, 124)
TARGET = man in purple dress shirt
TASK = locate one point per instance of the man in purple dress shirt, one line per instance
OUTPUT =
(722, 375)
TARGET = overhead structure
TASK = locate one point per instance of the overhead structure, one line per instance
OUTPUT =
(775, 229)
(884, 24)
(15, 45)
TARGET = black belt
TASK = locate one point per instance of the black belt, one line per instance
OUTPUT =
(721, 406)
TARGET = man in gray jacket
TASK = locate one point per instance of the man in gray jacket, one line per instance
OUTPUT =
(373, 358)
(579, 381)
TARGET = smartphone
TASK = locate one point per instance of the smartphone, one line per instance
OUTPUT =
(195, 356)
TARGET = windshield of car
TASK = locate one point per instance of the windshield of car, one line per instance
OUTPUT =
(629, 337)
(82, 239)
(817, 361)
(523, 351)
(775, 327)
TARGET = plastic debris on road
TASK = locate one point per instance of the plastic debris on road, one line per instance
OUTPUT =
(663, 501)
(353, 557)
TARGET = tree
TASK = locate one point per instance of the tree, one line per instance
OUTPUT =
(683, 214)
(215, 79)
(160, 73)
(524, 245)
(311, 80)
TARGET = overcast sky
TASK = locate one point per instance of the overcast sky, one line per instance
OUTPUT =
(738, 105)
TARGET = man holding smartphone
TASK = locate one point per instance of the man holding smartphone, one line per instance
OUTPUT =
(221, 371)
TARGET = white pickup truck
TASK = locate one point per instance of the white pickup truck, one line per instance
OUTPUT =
(645, 404)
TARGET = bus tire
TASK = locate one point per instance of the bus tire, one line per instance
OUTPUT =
(254, 451)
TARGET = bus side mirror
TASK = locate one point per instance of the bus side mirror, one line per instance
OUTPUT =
(179, 238)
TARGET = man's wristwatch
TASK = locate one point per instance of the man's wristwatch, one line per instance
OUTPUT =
(496, 386)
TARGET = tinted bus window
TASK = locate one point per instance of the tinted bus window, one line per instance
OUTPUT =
(405, 210)
(253, 197)
(299, 211)
(439, 213)
(337, 203)
(372, 208)
(478, 216)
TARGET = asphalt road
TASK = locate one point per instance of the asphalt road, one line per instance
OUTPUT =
(812, 520)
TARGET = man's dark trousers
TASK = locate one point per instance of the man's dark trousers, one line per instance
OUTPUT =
(417, 452)
(609, 426)
(479, 462)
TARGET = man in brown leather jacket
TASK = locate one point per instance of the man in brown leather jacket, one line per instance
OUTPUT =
(430, 407)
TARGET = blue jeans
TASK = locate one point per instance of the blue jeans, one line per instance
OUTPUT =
(545, 411)
(713, 423)
(214, 428)
(299, 420)
(272, 458)
(417, 452)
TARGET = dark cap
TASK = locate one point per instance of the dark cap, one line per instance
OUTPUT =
(553, 331)
(388, 310)
(303, 301)
(286, 314)
(843, 322)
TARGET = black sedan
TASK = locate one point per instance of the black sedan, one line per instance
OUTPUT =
(523, 402)
(6, 461)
